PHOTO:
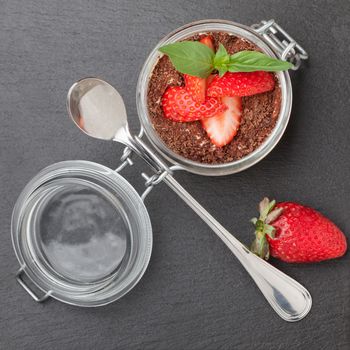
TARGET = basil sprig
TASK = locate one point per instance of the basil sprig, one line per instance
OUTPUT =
(196, 59)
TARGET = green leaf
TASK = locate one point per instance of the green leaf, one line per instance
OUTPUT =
(264, 208)
(269, 230)
(190, 57)
(221, 57)
(222, 70)
(221, 53)
(250, 61)
(260, 247)
(273, 215)
(254, 221)
(271, 205)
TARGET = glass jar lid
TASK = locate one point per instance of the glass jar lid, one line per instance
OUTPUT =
(81, 233)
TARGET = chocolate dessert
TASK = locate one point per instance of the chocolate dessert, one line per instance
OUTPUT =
(259, 112)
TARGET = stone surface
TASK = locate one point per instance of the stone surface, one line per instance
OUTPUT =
(194, 294)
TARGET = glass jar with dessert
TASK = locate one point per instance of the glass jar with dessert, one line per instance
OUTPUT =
(257, 102)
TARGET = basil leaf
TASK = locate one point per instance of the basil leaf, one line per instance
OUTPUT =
(222, 70)
(250, 61)
(221, 57)
(190, 57)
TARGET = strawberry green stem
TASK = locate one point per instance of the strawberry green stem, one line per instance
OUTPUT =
(268, 213)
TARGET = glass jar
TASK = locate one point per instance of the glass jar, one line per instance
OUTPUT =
(264, 37)
(81, 234)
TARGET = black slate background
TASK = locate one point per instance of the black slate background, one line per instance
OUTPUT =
(194, 294)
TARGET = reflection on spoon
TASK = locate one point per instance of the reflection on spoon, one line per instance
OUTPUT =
(97, 109)
(105, 126)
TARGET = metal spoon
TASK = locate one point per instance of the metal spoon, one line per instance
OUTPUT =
(98, 110)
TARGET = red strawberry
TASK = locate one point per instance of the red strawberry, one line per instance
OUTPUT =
(197, 87)
(295, 233)
(210, 79)
(207, 40)
(241, 84)
(224, 126)
(179, 106)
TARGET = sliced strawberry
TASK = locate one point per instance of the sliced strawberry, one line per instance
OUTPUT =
(179, 106)
(210, 79)
(168, 107)
(241, 84)
(196, 86)
(224, 126)
(207, 40)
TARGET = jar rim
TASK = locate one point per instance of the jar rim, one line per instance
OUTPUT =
(247, 161)
(106, 291)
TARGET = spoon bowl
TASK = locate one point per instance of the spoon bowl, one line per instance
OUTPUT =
(98, 110)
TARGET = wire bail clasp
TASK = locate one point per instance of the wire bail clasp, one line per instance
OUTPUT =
(157, 164)
(153, 180)
(286, 47)
(126, 156)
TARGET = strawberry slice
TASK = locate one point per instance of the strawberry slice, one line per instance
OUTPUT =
(241, 84)
(207, 40)
(168, 107)
(179, 106)
(197, 87)
(210, 79)
(223, 127)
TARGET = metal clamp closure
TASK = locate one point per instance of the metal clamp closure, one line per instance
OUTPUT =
(20, 280)
(155, 179)
(126, 156)
(284, 45)
(157, 164)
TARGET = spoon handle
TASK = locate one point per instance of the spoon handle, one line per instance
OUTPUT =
(287, 297)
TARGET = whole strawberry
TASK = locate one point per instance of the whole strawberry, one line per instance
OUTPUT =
(295, 233)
